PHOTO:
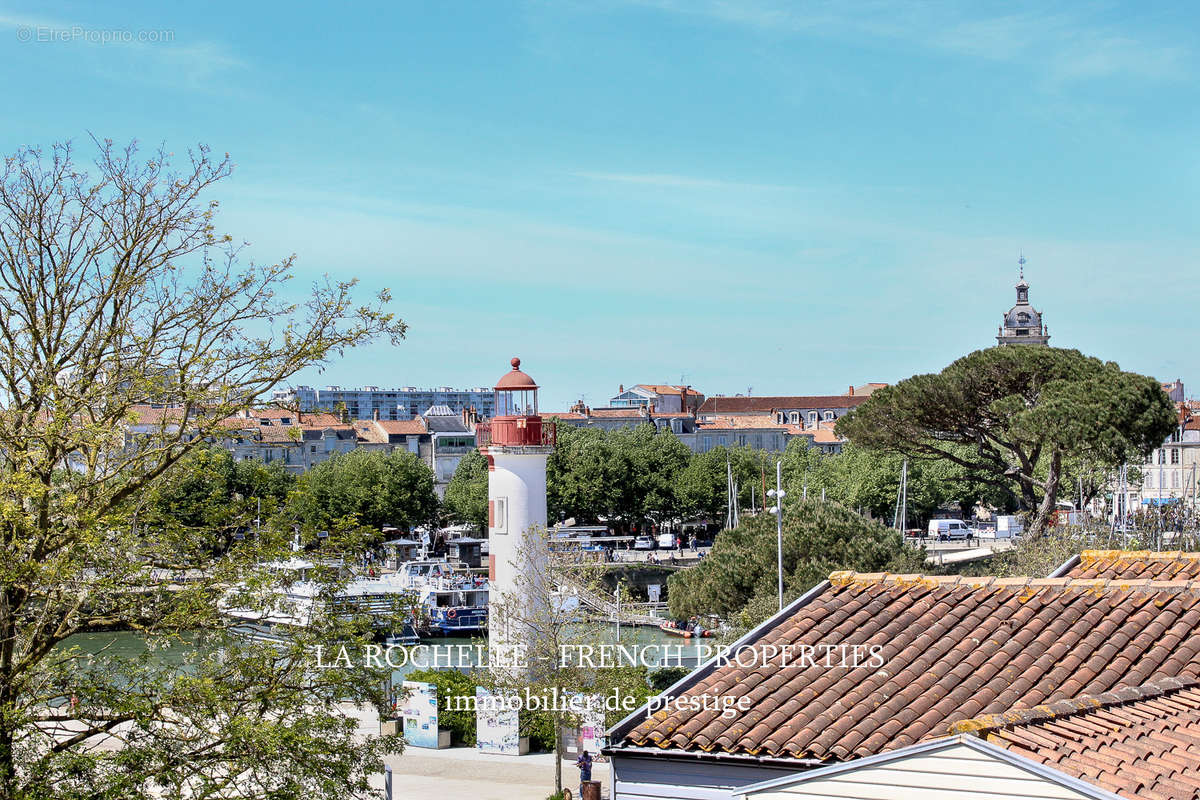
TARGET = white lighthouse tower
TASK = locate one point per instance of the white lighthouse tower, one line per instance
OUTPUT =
(516, 444)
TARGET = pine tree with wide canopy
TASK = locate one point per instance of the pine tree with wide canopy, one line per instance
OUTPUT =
(1012, 417)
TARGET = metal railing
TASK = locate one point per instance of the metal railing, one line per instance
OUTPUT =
(519, 431)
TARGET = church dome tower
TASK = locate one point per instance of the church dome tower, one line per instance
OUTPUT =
(1023, 323)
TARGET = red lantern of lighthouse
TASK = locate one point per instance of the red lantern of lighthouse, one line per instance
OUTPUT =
(517, 422)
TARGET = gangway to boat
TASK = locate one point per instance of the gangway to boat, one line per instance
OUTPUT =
(626, 613)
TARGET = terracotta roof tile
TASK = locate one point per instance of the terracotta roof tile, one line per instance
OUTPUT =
(1136, 741)
(765, 405)
(1133, 565)
(953, 648)
(402, 427)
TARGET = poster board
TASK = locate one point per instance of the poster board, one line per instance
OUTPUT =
(419, 714)
(590, 733)
(497, 730)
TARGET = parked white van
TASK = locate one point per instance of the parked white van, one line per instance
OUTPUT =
(946, 529)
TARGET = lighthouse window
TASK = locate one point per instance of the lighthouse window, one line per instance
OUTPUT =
(498, 515)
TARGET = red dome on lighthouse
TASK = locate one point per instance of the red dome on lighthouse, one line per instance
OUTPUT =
(515, 380)
(515, 421)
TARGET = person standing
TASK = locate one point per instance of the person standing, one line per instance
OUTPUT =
(584, 762)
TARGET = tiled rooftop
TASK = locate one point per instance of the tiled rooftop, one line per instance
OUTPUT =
(954, 648)
(1120, 564)
(1141, 742)
(766, 404)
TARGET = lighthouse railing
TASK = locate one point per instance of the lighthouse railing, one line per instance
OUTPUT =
(518, 431)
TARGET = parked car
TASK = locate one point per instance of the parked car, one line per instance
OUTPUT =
(948, 529)
(643, 543)
(666, 541)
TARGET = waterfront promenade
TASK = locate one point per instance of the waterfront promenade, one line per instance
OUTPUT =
(465, 772)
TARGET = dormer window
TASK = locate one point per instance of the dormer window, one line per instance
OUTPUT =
(1023, 318)
(812, 418)
(795, 417)
(828, 416)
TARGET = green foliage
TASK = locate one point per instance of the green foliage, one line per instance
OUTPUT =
(372, 487)
(132, 334)
(664, 677)
(208, 489)
(1010, 417)
(818, 538)
(466, 494)
(452, 683)
(625, 475)
(636, 474)
(869, 480)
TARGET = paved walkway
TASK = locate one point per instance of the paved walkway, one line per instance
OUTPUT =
(464, 772)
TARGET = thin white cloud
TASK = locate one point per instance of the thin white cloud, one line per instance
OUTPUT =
(1064, 44)
(669, 181)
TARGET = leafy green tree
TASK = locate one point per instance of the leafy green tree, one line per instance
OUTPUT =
(466, 494)
(115, 294)
(207, 489)
(626, 475)
(702, 486)
(869, 480)
(582, 479)
(652, 460)
(818, 538)
(1001, 414)
(371, 487)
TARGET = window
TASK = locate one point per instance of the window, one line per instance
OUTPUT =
(498, 515)
(828, 416)
(1174, 455)
(795, 418)
(707, 443)
(779, 417)
(812, 418)
(721, 441)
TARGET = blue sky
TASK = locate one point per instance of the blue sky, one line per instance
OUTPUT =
(790, 197)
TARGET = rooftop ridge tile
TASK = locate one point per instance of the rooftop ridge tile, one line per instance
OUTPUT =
(1090, 557)
(847, 578)
(1065, 708)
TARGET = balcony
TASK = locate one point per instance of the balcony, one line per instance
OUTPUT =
(516, 432)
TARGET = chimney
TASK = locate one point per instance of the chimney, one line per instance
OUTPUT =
(620, 388)
(850, 391)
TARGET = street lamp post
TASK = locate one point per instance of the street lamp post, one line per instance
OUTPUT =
(777, 494)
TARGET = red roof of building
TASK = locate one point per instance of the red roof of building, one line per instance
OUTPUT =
(1137, 565)
(953, 648)
(1139, 741)
(659, 388)
(403, 427)
(765, 405)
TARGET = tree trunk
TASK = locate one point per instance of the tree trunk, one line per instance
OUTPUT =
(1042, 519)
(558, 743)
